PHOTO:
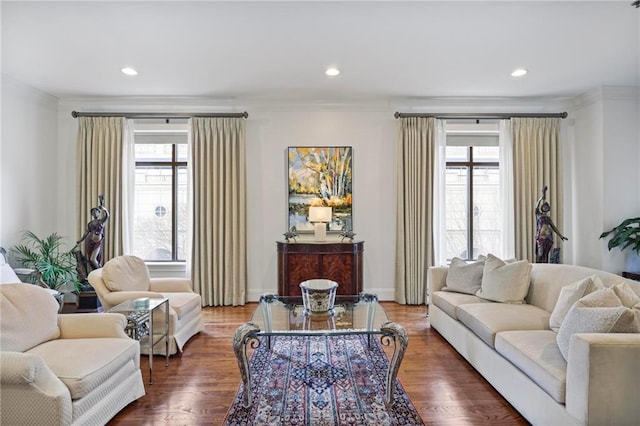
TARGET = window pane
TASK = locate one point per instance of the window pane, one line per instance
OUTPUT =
(152, 213)
(486, 211)
(486, 153)
(153, 152)
(456, 190)
(182, 152)
(457, 153)
(182, 213)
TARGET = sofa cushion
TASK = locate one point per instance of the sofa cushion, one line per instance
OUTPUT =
(84, 364)
(126, 273)
(505, 282)
(29, 316)
(183, 303)
(487, 319)
(571, 294)
(598, 312)
(464, 277)
(536, 354)
(448, 301)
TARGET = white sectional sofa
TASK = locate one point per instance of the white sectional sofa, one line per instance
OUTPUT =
(515, 350)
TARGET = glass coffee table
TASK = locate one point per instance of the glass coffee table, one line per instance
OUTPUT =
(285, 316)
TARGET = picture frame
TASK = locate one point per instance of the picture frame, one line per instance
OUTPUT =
(320, 176)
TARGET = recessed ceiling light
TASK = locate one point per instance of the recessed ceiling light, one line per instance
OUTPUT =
(332, 72)
(129, 71)
(519, 72)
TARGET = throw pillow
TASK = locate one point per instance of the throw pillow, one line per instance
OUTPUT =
(571, 294)
(505, 282)
(464, 277)
(126, 273)
(627, 296)
(598, 312)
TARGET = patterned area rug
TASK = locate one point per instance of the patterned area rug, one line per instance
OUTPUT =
(321, 381)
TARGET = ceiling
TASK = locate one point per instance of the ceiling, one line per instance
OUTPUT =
(264, 50)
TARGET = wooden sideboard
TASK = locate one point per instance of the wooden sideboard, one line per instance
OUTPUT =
(337, 261)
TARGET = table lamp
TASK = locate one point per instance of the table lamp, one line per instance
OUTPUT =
(319, 216)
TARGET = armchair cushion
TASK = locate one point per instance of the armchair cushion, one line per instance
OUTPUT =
(84, 364)
(23, 328)
(183, 303)
(126, 273)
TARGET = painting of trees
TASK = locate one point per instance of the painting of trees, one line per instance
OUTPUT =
(320, 176)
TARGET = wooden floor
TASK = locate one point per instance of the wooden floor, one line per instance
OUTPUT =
(199, 385)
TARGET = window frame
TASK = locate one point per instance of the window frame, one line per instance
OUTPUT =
(469, 166)
(174, 165)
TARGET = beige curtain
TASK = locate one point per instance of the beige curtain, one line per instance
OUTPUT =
(414, 229)
(536, 163)
(219, 264)
(99, 172)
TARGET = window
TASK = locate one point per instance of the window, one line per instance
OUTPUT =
(160, 206)
(472, 192)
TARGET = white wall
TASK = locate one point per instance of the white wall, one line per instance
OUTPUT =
(372, 136)
(368, 127)
(29, 163)
(606, 173)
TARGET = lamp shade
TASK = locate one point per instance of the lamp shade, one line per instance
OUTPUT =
(319, 214)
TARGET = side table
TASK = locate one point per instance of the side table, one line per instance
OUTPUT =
(140, 315)
(631, 275)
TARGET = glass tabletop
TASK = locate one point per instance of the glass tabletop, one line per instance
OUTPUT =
(138, 305)
(278, 315)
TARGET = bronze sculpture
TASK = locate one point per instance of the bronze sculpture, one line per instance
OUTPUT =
(545, 229)
(93, 239)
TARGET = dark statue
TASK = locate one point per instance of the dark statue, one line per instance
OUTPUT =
(346, 233)
(93, 239)
(545, 230)
(291, 234)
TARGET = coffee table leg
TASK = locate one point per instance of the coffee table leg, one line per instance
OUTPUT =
(398, 334)
(241, 337)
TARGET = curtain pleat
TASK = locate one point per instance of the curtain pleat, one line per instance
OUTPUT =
(414, 228)
(99, 172)
(537, 162)
(219, 266)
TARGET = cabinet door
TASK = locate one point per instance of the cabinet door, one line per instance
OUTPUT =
(339, 268)
(301, 267)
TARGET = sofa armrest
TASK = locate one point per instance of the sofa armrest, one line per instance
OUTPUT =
(26, 379)
(84, 326)
(603, 378)
(116, 297)
(436, 278)
(170, 285)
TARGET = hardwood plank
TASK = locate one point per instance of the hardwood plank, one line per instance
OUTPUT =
(200, 384)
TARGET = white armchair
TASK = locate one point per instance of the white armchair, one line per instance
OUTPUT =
(127, 277)
(62, 369)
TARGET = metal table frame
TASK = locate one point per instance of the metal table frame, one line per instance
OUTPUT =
(140, 314)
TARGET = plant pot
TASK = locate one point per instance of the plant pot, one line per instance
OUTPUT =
(633, 262)
(87, 301)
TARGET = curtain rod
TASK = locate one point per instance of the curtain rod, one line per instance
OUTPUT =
(484, 116)
(76, 114)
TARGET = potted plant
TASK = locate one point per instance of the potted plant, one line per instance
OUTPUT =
(52, 266)
(627, 235)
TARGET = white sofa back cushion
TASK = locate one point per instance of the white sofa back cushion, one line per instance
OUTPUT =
(464, 277)
(505, 282)
(29, 317)
(571, 294)
(126, 273)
